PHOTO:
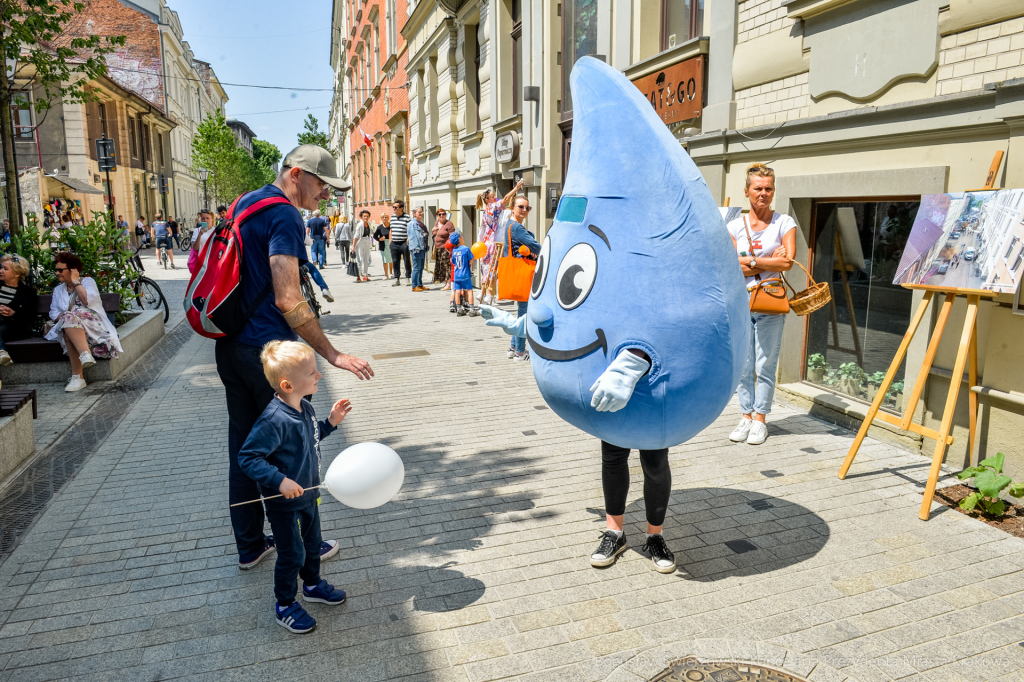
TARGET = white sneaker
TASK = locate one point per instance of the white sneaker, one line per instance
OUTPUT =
(86, 359)
(76, 383)
(5, 358)
(511, 353)
(327, 295)
(740, 433)
(522, 357)
(758, 433)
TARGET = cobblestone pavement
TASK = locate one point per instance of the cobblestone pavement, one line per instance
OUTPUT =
(478, 570)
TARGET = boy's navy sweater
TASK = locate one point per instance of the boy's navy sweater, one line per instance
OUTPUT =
(285, 443)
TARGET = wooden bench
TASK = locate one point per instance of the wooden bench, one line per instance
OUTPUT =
(10, 401)
(39, 349)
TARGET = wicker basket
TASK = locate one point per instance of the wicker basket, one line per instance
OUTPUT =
(810, 299)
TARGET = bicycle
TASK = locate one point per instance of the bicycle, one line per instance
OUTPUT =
(148, 295)
(309, 293)
(185, 242)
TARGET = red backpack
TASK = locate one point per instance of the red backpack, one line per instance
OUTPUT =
(213, 301)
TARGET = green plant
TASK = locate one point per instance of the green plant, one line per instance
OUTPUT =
(876, 379)
(831, 377)
(816, 361)
(896, 387)
(852, 371)
(991, 483)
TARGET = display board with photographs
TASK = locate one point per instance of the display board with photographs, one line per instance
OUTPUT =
(966, 240)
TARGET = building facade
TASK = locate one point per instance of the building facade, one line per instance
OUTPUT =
(377, 139)
(243, 134)
(338, 121)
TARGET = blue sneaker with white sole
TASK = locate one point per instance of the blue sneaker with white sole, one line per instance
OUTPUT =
(247, 561)
(294, 618)
(324, 593)
(328, 548)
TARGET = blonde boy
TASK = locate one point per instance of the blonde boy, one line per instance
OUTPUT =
(282, 454)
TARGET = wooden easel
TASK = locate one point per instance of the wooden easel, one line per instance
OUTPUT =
(966, 356)
(843, 268)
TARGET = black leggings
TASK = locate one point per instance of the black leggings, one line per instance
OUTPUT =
(615, 478)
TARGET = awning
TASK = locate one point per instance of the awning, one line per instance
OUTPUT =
(77, 185)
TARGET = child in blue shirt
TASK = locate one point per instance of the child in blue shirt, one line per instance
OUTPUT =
(282, 454)
(462, 277)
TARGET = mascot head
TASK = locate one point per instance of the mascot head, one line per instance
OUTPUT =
(637, 257)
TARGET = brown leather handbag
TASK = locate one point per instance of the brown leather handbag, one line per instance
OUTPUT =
(768, 296)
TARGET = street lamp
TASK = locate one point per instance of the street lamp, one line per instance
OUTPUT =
(204, 173)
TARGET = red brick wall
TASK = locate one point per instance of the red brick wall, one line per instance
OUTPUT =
(137, 66)
(374, 120)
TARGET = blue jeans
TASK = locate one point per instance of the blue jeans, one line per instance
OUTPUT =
(418, 257)
(315, 274)
(319, 250)
(757, 385)
(297, 536)
(248, 393)
(518, 342)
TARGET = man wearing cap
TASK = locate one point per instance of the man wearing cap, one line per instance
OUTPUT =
(275, 247)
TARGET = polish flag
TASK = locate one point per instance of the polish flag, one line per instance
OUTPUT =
(366, 138)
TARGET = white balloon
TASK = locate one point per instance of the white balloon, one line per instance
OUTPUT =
(365, 475)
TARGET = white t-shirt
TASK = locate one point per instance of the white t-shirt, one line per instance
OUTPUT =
(765, 241)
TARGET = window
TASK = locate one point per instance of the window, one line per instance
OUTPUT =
(160, 143)
(850, 342)
(133, 145)
(579, 39)
(476, 72)
(102, 109)
(392, 28)
(679, 23)
(22, 118)
(147, 150)
(517, 67)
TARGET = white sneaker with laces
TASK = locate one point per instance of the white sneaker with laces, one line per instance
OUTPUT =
(75, 383)
(5, 358)
(742, 430)
(758, 433)
(511, 353)
(327, 295)
(522, 357)
(86, 359)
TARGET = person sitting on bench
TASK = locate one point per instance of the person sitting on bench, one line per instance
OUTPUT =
(82, 327)
(18, 303)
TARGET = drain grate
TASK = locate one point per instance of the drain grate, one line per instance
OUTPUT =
(760, 504)
(540, 407)
(771, 473)
(27, 496)
(529, 433)
(400, 354)
(692, 670)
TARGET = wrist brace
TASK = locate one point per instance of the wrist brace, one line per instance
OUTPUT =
(299, 315)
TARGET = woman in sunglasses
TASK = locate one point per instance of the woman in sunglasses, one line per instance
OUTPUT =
(17, 303)
(82, 327)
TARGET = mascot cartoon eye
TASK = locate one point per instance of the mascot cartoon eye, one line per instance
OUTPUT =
(540, 275)
(576, 275)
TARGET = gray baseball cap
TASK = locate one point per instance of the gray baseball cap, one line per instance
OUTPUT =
(318, 161)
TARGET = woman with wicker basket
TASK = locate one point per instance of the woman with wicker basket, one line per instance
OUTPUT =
(765, 242)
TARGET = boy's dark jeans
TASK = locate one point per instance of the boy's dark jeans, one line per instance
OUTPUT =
(297, 534)
(248, 394)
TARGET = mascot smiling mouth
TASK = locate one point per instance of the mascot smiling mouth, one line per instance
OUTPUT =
(564, 355)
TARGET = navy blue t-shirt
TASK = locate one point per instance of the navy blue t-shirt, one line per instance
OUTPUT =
(275, 231)
(317, 228)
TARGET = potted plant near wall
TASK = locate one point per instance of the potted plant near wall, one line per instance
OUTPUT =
(874, 381)
(816, 368)
(896, 393)
(851, 378)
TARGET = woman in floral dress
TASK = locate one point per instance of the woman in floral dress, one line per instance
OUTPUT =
(82, 327)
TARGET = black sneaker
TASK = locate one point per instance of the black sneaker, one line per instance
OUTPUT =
(451, 308)
(247, 561)
(609, 550)
(463, 311)
(661, 556)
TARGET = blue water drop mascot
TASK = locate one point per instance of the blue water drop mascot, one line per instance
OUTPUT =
(638, 320)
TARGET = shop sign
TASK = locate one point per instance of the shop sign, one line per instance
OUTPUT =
(676, 92)
(506, 147)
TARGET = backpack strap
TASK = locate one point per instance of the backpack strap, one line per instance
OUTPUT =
(236, 223)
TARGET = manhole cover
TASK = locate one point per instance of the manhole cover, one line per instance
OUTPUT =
(692, 670)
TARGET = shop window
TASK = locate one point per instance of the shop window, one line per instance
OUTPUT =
(679, 21)
(851, 341)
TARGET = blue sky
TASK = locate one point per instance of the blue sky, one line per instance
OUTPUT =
(265, 42)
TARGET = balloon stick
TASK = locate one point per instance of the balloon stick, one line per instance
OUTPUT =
(239, 504)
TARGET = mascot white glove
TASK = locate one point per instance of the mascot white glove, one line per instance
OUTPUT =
(499, 318)
(613, 389)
